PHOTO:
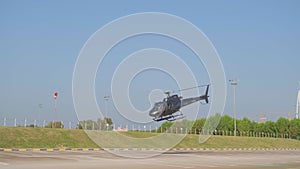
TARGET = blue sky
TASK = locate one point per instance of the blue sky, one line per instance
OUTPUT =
(258, 42)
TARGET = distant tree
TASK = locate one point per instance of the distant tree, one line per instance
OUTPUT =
(260, 127)
(198, 125)
(244, 125)
(270, 127)
(165, 126)
(58, 124)
(79, 126)
(283, 126)
(183, 124)
(226, 123)
(254, 126)
(100, 124)
(108, 121)
(212, 122)
(88, 124)
(294, 128)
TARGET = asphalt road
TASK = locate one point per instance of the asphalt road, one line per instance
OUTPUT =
(168, 160)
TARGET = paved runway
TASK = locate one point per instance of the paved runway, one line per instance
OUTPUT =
(168, 160)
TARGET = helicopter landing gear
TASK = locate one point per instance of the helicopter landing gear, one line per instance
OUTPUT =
(170, 117)
(176, 117)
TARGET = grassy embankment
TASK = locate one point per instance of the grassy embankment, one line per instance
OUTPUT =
(58, 138)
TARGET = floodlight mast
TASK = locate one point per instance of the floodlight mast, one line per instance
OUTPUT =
(234, 83)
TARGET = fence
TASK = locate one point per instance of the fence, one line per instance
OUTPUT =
(223, 133)
(14, 122)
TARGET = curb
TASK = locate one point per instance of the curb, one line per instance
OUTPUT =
(141, 149)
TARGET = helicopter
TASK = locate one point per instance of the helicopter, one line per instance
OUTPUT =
(166, 109)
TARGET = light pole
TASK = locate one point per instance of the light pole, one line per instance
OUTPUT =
(54, 121)
(40, 106)
(298, 103)
(233, 82)
(106, 98)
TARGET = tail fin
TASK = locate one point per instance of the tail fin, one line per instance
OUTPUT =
(206, 94)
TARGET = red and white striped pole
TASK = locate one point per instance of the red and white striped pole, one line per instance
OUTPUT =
(55, 97)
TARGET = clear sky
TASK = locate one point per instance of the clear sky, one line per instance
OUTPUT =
(258, 42)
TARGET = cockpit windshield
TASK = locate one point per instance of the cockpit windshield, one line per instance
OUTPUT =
(157, 106)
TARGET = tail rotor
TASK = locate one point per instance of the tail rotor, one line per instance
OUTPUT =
(206, 94)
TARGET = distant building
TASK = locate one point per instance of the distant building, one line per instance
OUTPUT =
(262, 119)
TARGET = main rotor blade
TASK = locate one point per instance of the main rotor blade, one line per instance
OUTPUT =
(192, 88)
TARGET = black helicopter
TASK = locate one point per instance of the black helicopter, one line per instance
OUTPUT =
(165, 109)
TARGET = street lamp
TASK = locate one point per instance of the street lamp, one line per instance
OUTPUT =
(106, 98)
(234, 83)
(298, 103)
(40, 106)
(55, 97)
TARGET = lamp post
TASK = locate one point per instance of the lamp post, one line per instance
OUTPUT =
(298, 103)
(233, 82)
(55, 97)
(106, 98)
(40, 106)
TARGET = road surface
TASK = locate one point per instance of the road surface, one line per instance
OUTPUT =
(169, 160)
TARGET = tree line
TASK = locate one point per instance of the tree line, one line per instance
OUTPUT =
(224, 125)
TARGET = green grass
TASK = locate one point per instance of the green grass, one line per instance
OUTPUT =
(20, 137)
(192, 141)
(238, 142)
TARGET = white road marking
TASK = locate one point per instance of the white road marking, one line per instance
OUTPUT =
(2, 163)
(176, 166)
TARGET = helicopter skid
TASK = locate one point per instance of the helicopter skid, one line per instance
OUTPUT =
(170, 117)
